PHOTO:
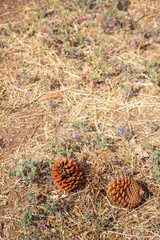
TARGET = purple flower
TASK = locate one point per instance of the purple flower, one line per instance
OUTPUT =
(41, 225)
(15, 24)
(133, 42)
(132, 82)
(147, 165)
(74, 135)
(95, 83)
(123, 96)
(125, 169)
(150, 177)
(83, 16)
(114, 20)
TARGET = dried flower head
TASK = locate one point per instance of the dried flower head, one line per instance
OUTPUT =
(124, 191)
(66, 173)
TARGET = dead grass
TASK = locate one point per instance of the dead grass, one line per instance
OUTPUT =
(106, 61)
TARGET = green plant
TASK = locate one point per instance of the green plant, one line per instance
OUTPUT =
(100, 221)
(155, 162)
(152, 67)
(101, 141)
(128, 91)
(23, 75)
(82, 127)
(23, 26)
(156, 165)
(26, 218)
(31, 198)
(153, 127)
(26, 171)
(52, 206)
(61, 150)
(124, 132)
(94, 78)
(146, 145)
(25, 236)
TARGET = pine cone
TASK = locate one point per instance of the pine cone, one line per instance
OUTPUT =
(124, 191)
(66, 173)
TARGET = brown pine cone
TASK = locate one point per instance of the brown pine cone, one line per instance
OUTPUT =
(66, 173)
(124, 191)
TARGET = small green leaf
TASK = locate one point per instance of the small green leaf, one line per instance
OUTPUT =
(12, 173)
(146, 145)
(153, 225)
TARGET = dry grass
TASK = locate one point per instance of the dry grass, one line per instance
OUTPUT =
(106, 62)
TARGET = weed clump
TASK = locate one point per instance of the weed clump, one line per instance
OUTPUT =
(27, 171)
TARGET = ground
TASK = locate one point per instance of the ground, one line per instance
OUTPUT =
(100, 60)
